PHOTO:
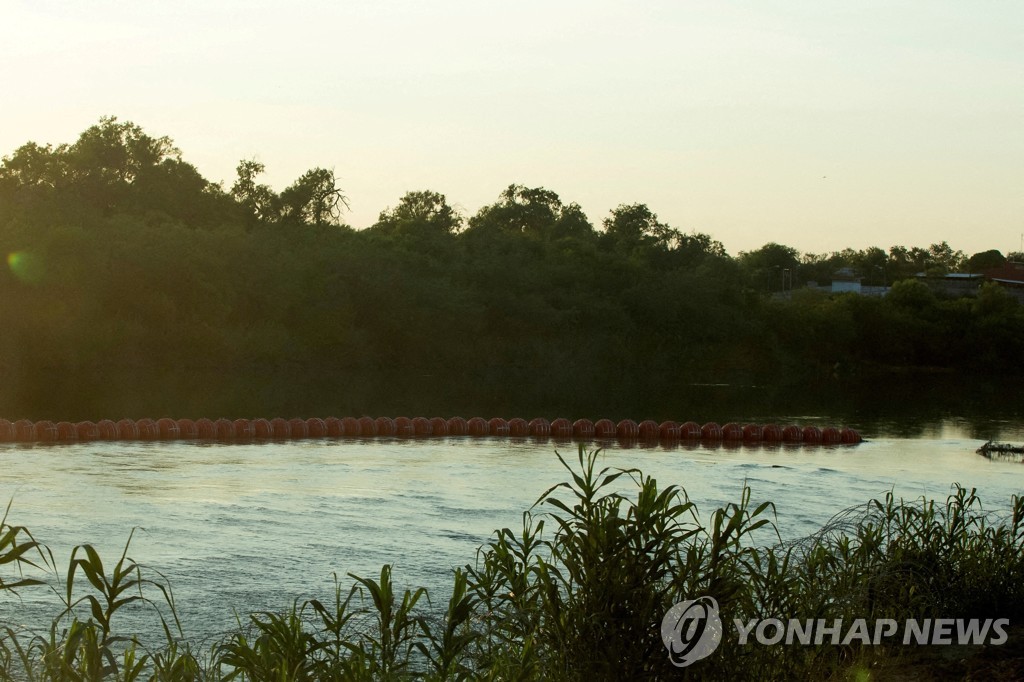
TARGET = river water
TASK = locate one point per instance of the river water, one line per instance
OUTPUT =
(246, 527)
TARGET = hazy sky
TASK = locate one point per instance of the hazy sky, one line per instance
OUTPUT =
(812, 123)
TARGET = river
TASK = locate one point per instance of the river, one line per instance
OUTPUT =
(248, 527)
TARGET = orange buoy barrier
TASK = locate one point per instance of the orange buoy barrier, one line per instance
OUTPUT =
(627, 429)
(497, 426)
(66, 431)
(127, 430)
(261, 428)
(315, 427)
(668, 430)
(167, 428)
(732, 434)
(711, 431)
(381, 426)
(561, 428)
(812, 434)
(478, 426)
(370, 427)
(147, 429)
(225, 429)
(403, 427)
(243, 428)
(44, 431)
(732, 431)
(351, 427)
(539, 427)
(87, 430)
(457, 426)
(421, 427)
(583, 428)
(690, 431)
(439, 426)
(207, 430)
(518, 427)
(334, 427)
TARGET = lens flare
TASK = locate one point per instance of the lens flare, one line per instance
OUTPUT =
(26, 266)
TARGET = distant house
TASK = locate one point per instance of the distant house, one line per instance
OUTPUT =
(845, 280)
(954, 284)
(1010, 276)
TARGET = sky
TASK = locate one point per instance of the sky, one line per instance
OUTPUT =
(817, 124)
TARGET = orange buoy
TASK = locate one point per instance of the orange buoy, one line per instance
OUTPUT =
(439, 426)
(368, 427)
(583, 428)
(812, 434)
(771, 433)
(316, 428)
(517, 427)
(225, 429)
(539, 427)
(792, 434)
(6, 431)
(381, 426)
(86, 430)
(107, 429)
(261, 428)
(24, 430)
(127, 430)
(604, 428)
(44, 430)
(334, 427)
(561, 428)
(280, 428)
(732, 431)
(668, 430)
(187, 429)
(690, 431)
(243, 428)
(403, 427)
(498, 426)
(421, 427)
(146, 428)
(207, 430)
(66, 431)
(648, 430)
(167, 428)
(711, 431)
(830, 434)
(457, 426)
(627, 429)
(351, 427)
(752, 433)
(849, 436)
(478, 426)
(297, 428)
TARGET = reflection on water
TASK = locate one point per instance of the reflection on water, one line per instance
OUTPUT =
(254, 526)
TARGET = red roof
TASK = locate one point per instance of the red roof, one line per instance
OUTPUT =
(1012, 273)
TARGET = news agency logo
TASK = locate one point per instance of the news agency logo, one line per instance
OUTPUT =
(691, 630)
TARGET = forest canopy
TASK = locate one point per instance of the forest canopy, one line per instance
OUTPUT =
(134, 286)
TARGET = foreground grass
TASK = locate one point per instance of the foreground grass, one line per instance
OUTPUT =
(578, 593)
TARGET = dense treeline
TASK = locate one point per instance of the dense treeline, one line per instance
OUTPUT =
(136, 287)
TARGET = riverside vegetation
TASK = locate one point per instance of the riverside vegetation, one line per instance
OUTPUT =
(133, 286)
(577, 593)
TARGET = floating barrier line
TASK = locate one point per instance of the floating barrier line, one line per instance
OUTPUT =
(166, 429)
